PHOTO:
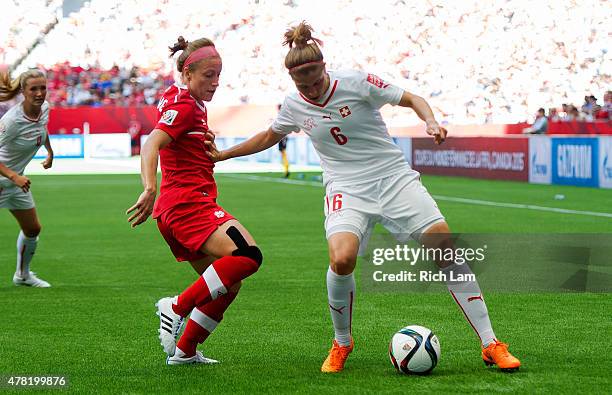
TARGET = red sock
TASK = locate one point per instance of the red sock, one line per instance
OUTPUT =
(203, 320)
(216, 280)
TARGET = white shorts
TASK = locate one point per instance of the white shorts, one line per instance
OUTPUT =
(399, 202)
(13, 198)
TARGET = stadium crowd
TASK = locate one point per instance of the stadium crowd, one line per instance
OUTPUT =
(76, 86)
(477, 62)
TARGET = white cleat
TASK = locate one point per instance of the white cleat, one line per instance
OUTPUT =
(170, 324)
(30, 281)
(196, 359)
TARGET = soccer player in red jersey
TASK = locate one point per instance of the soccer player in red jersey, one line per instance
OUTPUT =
(197, 230)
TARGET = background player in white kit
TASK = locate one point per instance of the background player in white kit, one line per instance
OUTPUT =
(367, 180)
(23, 129)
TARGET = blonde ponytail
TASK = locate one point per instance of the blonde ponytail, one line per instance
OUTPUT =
(8, 88)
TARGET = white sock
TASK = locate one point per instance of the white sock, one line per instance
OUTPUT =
(468, 296)
(340, 292)
(26, 246)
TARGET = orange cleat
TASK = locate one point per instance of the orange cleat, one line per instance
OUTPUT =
(336, 358)
(497, 354)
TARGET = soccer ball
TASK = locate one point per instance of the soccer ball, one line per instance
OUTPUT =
(414, 350)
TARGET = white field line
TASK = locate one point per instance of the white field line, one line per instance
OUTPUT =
(437, 197)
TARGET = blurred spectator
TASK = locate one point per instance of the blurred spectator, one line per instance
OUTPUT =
(564, 114)
(605, 113)
(540, 125)
(590, 108)
(574, 115)
(553, 116)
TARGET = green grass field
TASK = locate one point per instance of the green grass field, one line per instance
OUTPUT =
(97, 324)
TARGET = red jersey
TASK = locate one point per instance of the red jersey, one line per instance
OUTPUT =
(187, 171)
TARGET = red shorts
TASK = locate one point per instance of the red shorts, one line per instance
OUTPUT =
(187, 226)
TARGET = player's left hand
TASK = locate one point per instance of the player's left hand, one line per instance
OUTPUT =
(437, 131)
(48, 162)
(142, 209)
(212, 151)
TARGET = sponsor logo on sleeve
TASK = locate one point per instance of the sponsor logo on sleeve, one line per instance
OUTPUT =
(168, 117)
(377, 81)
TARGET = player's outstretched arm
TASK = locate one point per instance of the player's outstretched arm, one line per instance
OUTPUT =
(48, 162)
(261, 141)
(149, 155)
(423, 110)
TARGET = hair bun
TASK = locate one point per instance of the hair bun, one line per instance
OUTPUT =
(180, 45)
(299, 35)
(303, 47)
(182, 42)
(300, 41)
(302, 34)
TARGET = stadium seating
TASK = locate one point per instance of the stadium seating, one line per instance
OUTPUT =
(22, 23)
(478, 62)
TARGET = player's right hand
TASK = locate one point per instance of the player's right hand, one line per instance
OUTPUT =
(142, 209)
(22, 182)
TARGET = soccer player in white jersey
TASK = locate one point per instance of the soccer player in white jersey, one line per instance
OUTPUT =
(367, 180)
(23, 129)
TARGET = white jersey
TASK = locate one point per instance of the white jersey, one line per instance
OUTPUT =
(20, 138)
(346, 127)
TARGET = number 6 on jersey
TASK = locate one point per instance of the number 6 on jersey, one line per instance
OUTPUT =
(339, 137)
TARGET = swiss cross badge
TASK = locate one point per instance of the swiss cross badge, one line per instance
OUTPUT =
(345, 111)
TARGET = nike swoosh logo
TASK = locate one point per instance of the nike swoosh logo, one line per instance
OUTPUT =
(472, 298)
